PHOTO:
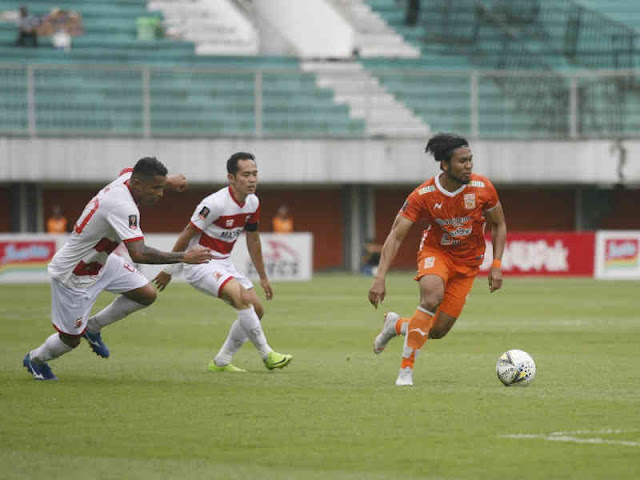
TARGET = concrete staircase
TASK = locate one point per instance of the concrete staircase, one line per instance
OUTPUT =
(217, 27)
(367, 99)
(374, 38)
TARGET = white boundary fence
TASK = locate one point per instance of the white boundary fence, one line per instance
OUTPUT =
(24, 257)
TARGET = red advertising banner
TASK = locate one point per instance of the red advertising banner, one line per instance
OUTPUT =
(26, 255)
(546, 253)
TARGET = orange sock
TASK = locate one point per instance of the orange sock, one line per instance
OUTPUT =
(417, 334)
(403, 323)
(399, 324)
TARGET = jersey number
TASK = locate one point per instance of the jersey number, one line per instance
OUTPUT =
(89, 210)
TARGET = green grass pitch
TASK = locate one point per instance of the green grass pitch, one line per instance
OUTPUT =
(153, 411)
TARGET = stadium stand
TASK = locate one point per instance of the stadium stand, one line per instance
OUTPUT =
(463, 77)
(622, 11)
(554, 39)
(111, 83)
(216, 28)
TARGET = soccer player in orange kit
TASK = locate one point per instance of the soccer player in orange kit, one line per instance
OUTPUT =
(455, 204)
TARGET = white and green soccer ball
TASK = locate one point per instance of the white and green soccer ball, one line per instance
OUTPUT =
(516, 367)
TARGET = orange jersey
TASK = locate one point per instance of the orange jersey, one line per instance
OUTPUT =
(282, 225)
(57, 225)
(455, 219)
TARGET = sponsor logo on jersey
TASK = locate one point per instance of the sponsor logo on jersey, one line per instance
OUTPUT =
(476, 183)
(454, 222)
(470, 200)
(133, 221)
(460, 232)
(430, 188)
(438, 206)
(447, 240)
(229, 222)
(230, 235)
(204, 212)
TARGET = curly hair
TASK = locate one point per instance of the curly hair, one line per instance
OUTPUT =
(442, 145)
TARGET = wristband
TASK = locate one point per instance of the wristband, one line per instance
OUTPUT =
(496, 263)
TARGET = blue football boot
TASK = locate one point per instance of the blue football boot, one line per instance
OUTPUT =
(96, 344)
(40, 371)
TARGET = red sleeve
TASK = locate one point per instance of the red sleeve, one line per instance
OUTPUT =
(255, 218)
(412, 207)
(196, 226)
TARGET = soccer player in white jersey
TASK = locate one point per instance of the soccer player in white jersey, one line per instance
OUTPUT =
(84, 266)
(216, 223)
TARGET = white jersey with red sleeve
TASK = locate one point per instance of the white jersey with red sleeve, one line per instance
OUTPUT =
(111, 217)
(221, 220)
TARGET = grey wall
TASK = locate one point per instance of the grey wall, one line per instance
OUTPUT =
(315, 161)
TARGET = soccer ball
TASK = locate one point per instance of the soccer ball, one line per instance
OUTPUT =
(516, 367)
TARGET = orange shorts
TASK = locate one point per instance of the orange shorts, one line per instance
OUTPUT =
(458, 279)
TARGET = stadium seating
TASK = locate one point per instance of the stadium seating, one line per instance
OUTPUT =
(487, 35)
(86, 96)
(623, 11)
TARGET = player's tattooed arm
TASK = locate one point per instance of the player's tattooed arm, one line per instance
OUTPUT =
(141, 253)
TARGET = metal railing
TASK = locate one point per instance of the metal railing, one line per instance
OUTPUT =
(89, 101)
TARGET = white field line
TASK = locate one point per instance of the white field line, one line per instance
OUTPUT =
(568, 437)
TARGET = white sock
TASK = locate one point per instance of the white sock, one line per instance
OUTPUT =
(235, 339)
(116, 310)
(407, 350)
(53, 347)
(252, 327)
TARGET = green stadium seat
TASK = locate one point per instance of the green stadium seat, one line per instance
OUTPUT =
(181, 103)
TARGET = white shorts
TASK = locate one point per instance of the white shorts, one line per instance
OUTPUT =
(70, 307)
(211, 277)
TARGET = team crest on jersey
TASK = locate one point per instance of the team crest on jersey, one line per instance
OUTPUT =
(203, 213)
(470, 200)
(217, 275)
(133, 221)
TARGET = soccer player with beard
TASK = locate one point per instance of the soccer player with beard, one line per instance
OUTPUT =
(456, 204)
(85, 265)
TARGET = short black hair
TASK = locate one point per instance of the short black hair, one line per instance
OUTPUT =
(232, 163)
(148, 167)
(442, 145)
